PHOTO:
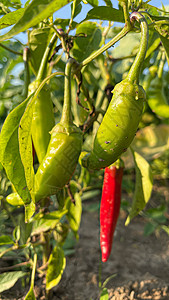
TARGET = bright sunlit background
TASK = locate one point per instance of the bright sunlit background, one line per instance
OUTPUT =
(65, 12)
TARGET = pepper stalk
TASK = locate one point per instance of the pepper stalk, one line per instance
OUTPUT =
(133, 75)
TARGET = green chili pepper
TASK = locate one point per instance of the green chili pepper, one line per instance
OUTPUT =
(42, 121)
(123, 115)
(38, 40)
(14, 199)
(43, 116)
(156, 98)
(63, 151)
(149, 77)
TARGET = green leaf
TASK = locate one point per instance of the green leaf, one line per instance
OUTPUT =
(25, 229)
(104, 294)
(132, 40)
(165, 228)
(108, 279)
(6, 240)
(76, 8)
(161, 27)
(11, 18)
(56, 266)
(25, 146)
(74, 212)
(163, 32)
(30, 295)
(152, 141)
(143, 186)
(8, 3)
(38, 40)
(29, 211)
(108, 3)
(9, 152)
(157, 214)
(149, 228)
(47, 222)
(34, 13)
(105, 13)
(84, 46)
(8, 279)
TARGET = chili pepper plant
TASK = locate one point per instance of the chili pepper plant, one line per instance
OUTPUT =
(84, 103)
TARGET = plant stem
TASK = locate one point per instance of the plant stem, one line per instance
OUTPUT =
(120, 35)
(84, 90)
(15, 247)
(72, 15)
(43, 83)
(124, 4)
(25, 263)
(26, 72)
(153, 47)
(33, 270)
(62, 39)
(133, 75)
(42, 70)
(66, 112)
(10, 50)
(161, 66)
(45, 242)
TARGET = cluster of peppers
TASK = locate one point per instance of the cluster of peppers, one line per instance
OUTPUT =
(58, 147)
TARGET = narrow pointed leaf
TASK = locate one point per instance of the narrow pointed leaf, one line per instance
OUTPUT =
(104, 294)
(25, 146)
(143, 186)
(9, 152)
(105, 13)
(85, 45)
(29, 211)
(56, 266)
(38, 40)
(74, 212)
(5, 240)
(35, 12)
(8, 279)
(163, 31)
(30, 295)
(48, 221)
(11, 18)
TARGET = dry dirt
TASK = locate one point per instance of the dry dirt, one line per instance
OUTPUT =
(140, 265)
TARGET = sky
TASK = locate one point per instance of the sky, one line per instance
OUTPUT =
(65, 11)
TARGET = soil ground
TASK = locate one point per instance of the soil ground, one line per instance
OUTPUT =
(140, 265)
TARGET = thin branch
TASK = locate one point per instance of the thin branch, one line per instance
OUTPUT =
(10, 50)
(4, 269)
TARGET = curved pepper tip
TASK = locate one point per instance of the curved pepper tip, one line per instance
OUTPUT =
(105, 256)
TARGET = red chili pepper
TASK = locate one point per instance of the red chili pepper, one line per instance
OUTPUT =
(110, 208)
